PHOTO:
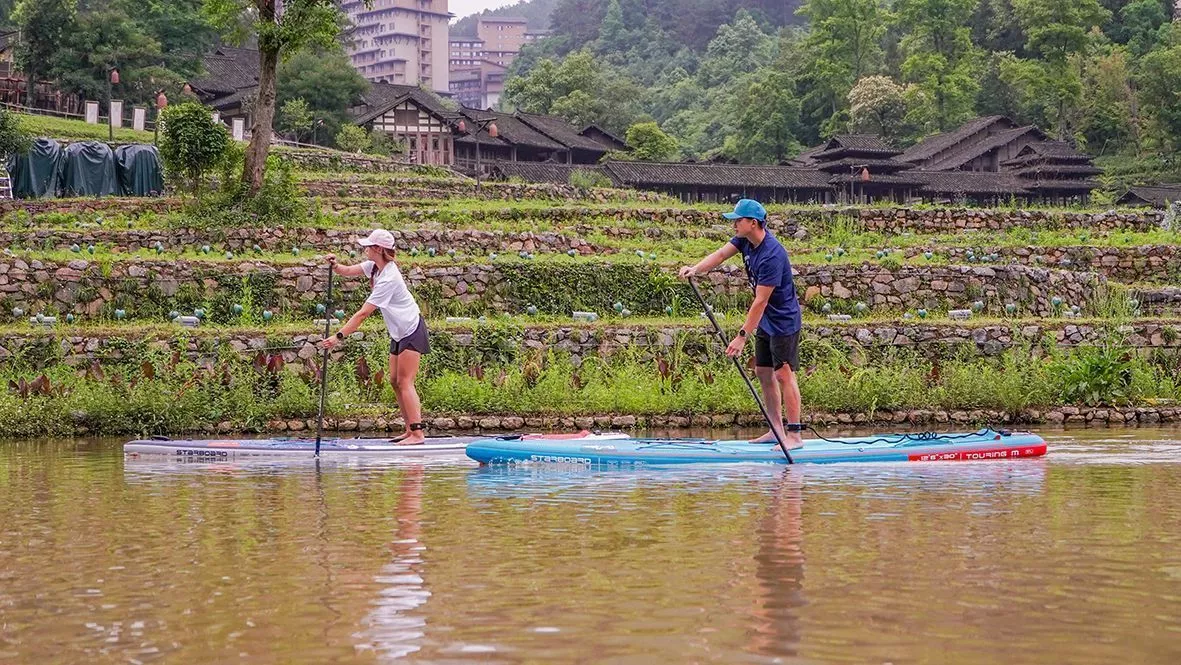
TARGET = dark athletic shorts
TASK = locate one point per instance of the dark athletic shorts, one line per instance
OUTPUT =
(775, 351)
(415, 341)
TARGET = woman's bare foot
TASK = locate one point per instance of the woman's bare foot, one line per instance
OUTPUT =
(412, 439)
(769, 437)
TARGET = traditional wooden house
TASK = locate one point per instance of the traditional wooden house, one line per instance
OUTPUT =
(230, 81)
(411, 115)
(1155, 196)
(862, 168)
(580, 149)
(1054, 171)
(714, 183)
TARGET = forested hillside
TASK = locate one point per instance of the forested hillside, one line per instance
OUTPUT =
(537, 12)
(756, 81)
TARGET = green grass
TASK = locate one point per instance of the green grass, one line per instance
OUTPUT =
(145, 390)
(62, 128)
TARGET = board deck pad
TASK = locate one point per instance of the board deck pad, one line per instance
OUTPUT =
(224, 449)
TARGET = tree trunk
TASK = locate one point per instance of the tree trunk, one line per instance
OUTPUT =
(255, 165)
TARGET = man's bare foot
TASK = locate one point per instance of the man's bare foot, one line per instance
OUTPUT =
(769, 437)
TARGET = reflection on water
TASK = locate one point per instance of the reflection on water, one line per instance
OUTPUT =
(1073, 558)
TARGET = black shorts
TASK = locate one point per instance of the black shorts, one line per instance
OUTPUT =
(415, 341)
(775, 351)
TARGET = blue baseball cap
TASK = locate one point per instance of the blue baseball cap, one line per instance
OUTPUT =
(748, 208)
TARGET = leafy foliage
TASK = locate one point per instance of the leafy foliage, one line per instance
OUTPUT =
(191, 143)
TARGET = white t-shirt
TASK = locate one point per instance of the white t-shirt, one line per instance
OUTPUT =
(392, 298)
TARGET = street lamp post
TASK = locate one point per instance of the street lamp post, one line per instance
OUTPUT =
(112, 79)
(488, 124)
(161, 104)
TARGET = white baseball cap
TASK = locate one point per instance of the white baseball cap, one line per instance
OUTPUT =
(379, 237)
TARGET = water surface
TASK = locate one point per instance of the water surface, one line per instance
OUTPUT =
(1074, 558)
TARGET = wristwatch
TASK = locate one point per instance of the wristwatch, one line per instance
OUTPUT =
(742, 332)
(340, 335)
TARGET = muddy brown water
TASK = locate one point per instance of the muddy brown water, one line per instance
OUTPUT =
(1073, 558)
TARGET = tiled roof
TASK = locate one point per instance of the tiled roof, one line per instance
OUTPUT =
(874, 165)
(807, 157)
(1047, 152)
(613, 142)
(843, 179)
(933, 145)
(381, 97)
(970, 151)
(1157, 195)
(561, 131)
(714, 175)
(968, 182)
(1059, 169)
(230, 75)
(541, 172)
(857, 144)
(511, 130)
(1072, 185)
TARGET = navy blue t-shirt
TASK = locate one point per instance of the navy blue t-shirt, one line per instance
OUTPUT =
(768, 265)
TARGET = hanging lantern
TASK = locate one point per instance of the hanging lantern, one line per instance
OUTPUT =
(462, 127)
(188, 89)
(492, 131)
(161, 101)
(114, 76)
(864, 175)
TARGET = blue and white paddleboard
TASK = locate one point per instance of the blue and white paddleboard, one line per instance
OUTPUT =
(986, 444)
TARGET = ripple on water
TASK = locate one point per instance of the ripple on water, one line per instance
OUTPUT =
(1071, 558)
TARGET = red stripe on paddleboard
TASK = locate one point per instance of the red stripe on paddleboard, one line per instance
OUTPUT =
(980, 454)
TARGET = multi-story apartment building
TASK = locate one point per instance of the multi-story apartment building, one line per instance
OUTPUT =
(478, 64)
(400, 41)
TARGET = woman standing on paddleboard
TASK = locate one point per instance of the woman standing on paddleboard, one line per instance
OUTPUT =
(403, 321)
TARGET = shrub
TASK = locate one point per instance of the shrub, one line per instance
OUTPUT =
(587, 179)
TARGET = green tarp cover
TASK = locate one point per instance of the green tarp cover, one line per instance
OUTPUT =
(140, 170)
(89, 170)
(36, 175)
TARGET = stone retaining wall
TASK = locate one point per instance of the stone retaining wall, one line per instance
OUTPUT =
(937, 419)
(73, 347)
(240, 241)
(949, 220)
(88, 287)
(111, 205)
(322, 160)
(1147, 263)
(492, 191)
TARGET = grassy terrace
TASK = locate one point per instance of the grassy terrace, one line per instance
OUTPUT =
(140, 373)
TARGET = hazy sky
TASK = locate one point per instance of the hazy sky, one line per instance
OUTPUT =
(462, 8)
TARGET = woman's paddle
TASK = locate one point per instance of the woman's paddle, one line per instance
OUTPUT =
(738, 365)
(324, 360)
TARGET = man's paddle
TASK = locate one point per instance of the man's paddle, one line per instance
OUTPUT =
(725, 342)
(324, 359)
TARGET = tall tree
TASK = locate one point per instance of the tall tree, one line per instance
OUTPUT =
(767, 120)
(939, 57)
(283, 28)
(43, 25)
(1160, 87)
(327, 81)
(844, 45)
(1057, 30)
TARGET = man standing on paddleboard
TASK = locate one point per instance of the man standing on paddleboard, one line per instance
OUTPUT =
(773, 319)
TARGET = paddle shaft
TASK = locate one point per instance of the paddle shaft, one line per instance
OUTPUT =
(324, 361)
(738, 365)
